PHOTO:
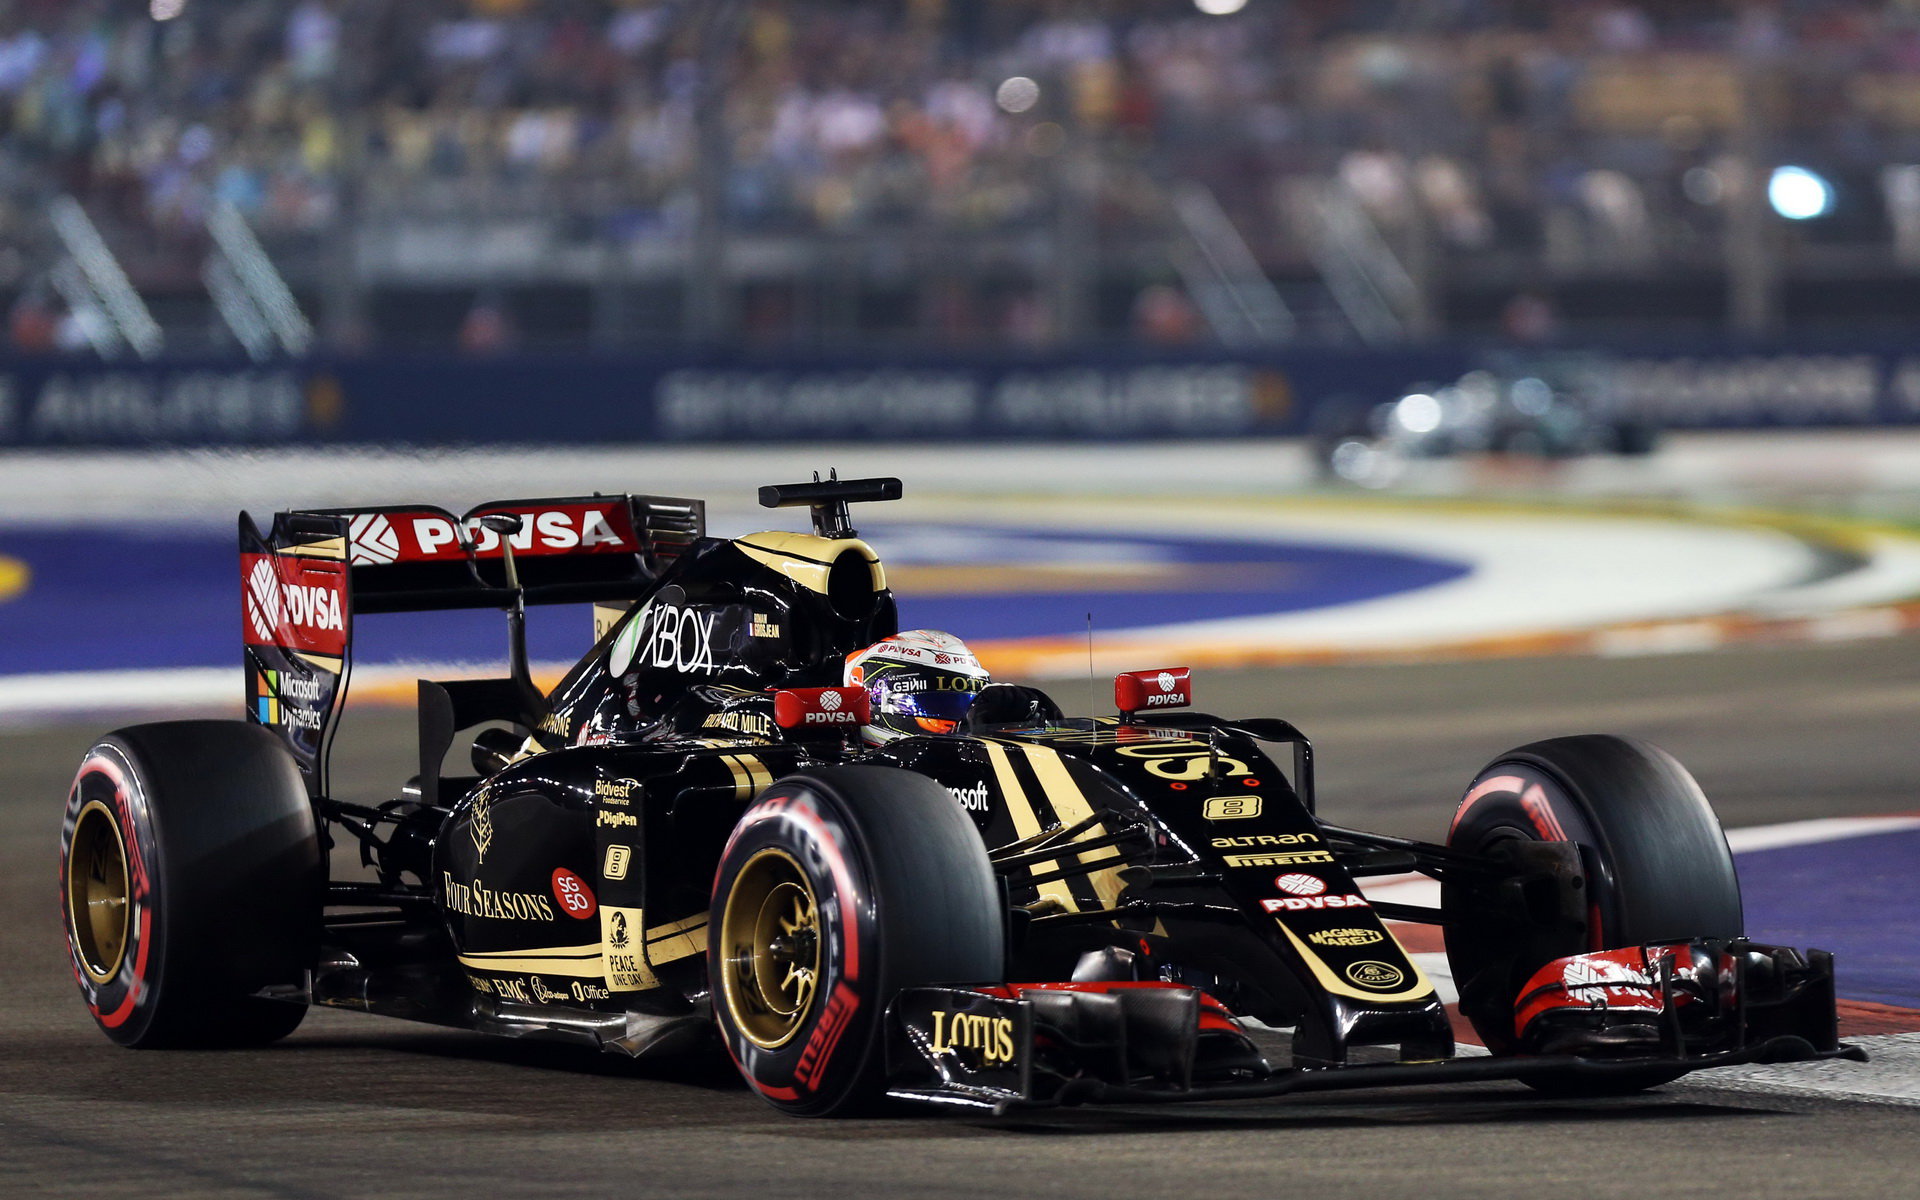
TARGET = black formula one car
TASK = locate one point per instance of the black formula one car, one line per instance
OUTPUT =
(687, 838)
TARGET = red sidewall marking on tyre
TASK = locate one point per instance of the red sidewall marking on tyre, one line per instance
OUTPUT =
(805, 816)
(138, 887)
(1499, 783)
(118, 1016)
(776, 1093)
(1540, 810)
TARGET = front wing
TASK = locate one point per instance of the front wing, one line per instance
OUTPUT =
(1010, 1047)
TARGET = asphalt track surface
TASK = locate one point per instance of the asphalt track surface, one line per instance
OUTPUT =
(356, 1106)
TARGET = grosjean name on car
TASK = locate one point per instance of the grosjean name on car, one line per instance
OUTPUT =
(1286, 858)
(945, 683)
(1304, 903)
(476, 899)
(989, 1039)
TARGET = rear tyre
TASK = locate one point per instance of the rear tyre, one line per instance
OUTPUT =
(1655, 860)
(841, 886)
(191, 878)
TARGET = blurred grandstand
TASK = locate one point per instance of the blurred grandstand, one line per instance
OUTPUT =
(804, 173)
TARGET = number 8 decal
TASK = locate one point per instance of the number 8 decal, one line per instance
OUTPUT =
(1230, 808)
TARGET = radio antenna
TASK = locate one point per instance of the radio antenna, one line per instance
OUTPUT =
(1090, 687)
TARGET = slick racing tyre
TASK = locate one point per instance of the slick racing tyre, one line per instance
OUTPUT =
(1654, 858)
(839, 887)
(191, 878)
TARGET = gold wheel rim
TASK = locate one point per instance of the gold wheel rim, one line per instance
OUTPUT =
(99, 905)
(770, 949)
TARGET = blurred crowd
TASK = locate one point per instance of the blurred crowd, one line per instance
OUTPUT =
(1544, 128)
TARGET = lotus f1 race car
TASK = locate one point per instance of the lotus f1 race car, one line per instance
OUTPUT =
(687, 841)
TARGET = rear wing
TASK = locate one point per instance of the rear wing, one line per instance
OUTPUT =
(414, 558)
(303, 581)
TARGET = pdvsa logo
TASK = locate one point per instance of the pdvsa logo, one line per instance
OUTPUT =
(263, 599)
(272, 602)
(1304, 903)
(556, 529)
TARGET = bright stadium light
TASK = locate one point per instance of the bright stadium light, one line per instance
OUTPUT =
(1018, 94)
(1219, 8)
(1798, 194)
(166, 10)
(1418, 413)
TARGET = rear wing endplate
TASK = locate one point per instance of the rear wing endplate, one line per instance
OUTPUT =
(312, 571)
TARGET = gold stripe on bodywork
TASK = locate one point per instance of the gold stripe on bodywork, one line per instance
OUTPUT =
(806, 558)
(673, 927)
(1071, 806)
(582, 961)
(1026, 822)
(750, 775)
(333, 547)
(682, 939)
(1421, 989)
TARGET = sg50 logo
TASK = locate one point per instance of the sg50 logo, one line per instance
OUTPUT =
(575, 897)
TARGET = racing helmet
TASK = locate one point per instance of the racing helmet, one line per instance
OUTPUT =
(920, 681)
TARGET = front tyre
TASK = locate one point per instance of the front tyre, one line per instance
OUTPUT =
(191, 879)
(838, 888)
(1655, 860)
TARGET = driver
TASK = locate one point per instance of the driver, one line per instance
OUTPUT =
(920, 681)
